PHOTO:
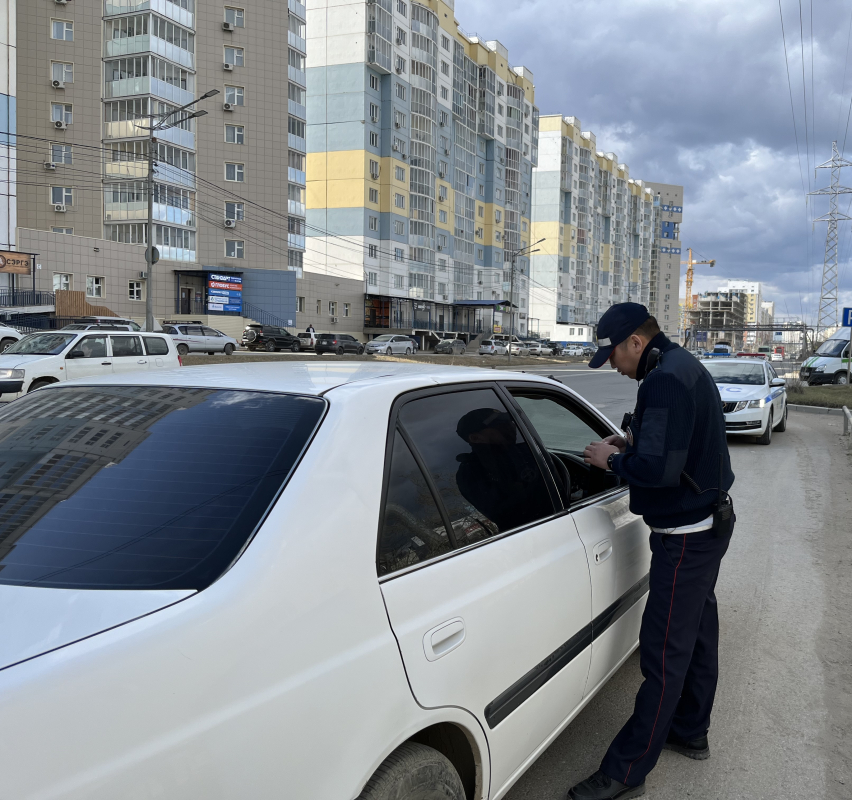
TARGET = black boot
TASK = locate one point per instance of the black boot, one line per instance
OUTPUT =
(602, 787)
(699, 749)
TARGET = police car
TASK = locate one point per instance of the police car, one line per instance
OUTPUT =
(754, 398)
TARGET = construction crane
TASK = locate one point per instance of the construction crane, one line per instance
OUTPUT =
(689, 273)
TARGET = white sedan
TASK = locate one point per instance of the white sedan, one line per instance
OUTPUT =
(754, 398)
(389, 344)
(540, 349)
(8, 337)
(221, 636)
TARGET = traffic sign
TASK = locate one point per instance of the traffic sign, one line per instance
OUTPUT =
(847, 317)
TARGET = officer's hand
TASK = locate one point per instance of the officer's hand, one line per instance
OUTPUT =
(597, 453)
(616, 441)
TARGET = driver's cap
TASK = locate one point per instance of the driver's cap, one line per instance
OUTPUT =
(617, 323)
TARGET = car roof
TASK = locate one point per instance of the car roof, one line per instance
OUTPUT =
(310, 378)
(740, 360)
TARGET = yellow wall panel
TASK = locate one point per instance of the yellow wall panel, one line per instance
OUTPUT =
(316, 166)
(346, 165)
(315, 196)
(346, 194)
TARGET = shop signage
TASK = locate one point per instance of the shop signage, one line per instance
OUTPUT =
(224, 292)
(16, 263)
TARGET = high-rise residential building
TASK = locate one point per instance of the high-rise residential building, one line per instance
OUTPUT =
(753, 302)
(229, 187)
(664, 287)
(421, 143)
(597, 225)
(8, 78)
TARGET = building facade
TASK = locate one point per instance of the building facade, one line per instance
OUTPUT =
(421, 144)
(597, 226)
(8, 116)
(664, 286)
(725, 309)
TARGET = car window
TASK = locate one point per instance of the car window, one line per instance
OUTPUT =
(194, 330)
(169, 329)
(558, 426)
(123, 346)
(210, 332)
(42, 344)
(486, 474)
(412, 527)
(103, 501)
(89, 347)
(155, 346)
(182, 329)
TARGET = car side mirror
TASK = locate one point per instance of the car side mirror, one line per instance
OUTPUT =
(76, 354)
(778, 382)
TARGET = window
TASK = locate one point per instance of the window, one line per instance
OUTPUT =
(445, 42)
(402, 8)
(374, 82)
(134, 290)
(472, 449)
(400, 91)
(401, 37)
(398, 281)
(442, 216)
(235, 134)
(62, 281)
(399, 200)
(332, 308)
(498, 216)
(374, 112)
(373, 251)
(60, 153)
(61, 112)
(235, 172)
(374, 169)
(480, 254)
(319, 306)
(234, 248)
(347, 307)
(498, 194)
(296, 127)
(399, 120)
(61, 71)
(372, 279)
(442, 193)
(90, 347)
(62, 30)
(400, 174)
(300, 305)
(235, 211)
(374, 223)
(94, 286)
(374, 139)
(399, 227)
(235, 56)
(445, 93)
(480, 211)
(234, 95)
(61, 195)
(497, 236)
(481, 190)
(400, 64)
(374, 195)
(445, 68)
(236, 16)
(62, 230)
(524, 227)
(398, 254)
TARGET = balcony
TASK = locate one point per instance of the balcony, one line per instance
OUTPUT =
(149, 44)
(297, 8)
(138, 211)
(171, 10)
(295, 207)
(296, 143)
(128, 87)
(25, 301)
(296, 241)
(297, 75)
(295, 176)
(296, 41)
(297, 109)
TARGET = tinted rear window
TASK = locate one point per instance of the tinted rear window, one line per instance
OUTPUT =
(140, 487)
(154, 346)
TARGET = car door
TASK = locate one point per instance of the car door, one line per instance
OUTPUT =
(195, 338)
(778, 394)
(615, 540)
(88, 358)
(485, 580)
(127, 354)
(214, 340)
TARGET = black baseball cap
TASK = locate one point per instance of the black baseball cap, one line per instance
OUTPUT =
(481, 418)
(617, 323)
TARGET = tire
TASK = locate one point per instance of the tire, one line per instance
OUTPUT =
(182, 349)
(340, 351)
(408, 351)
(782, 424)
(6, 343)
(270, 347)
(463, 351)
(360, 351)
(414, 772)
(840, 378)
(295, 347)
(389, 352)
(229, 349)
(766, 438)
(39, 383)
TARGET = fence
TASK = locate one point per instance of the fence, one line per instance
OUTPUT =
(12, 298)
(32, 323)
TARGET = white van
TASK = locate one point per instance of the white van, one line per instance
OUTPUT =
(52, 356)
(829, 363)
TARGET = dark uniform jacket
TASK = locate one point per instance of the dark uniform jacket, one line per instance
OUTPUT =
(678, 427)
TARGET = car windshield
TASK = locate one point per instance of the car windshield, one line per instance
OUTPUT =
(830, 347)
(123, 487)
(744, 374)
(40, 344)
(385, 337)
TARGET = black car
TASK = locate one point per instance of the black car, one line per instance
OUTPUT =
(339, 343)
(454, 347)
(270, 338)
(555, 346)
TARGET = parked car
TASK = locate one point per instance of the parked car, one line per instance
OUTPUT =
(415, 341)
(555, 347)
(589, 350)
(754, 398)
(308, 339)
(40, 359)
(338, 343)
(574, 350)
(187, 643)
(389, 344)
(828, 364)
(519, 349)
(270, 338)
(777, 357)
(454, 347)
(539, 349)
(8, 337)
(197, 338)
(492, 347)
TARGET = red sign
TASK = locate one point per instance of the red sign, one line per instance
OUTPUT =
(234, 287)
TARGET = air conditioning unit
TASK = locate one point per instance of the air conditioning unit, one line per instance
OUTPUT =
(374, 175)
(59, 207)
(58, 84)
(50, 165)
(230, 223)
(442, 122)
(395, 146)
(399, 69)
(227, 106)
(399, 40)
(228, 67)
(333, 320)
(440, 247)
(442, 173)
(108, 217)
(143, 275)
(446, 297)
(405, 156)
(442, 199)
(397, 124)
(374, 117)
(502, 160)
(60, 126)
(227, 26)
(446, 151)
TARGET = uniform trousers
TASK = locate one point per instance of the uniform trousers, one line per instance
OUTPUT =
(678, 652)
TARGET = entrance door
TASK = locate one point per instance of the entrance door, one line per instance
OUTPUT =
(185, 300)
(88, 358)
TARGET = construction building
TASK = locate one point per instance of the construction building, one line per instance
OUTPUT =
(753, 303)
(725, 308)
(421, 143)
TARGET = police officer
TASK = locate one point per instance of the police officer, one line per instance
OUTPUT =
(673, 455)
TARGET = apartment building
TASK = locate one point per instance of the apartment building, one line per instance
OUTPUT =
(664, 279)
(8, 79)
(753, 303)
(421, 144)
(229, 186)
(597, 226)
(725, 309)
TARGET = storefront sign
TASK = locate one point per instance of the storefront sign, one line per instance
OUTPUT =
(497, 329)
(211, 306)
(16, 263)
(223, 285)
(224, 292)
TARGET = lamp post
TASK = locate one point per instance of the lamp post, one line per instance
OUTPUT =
(514, 258)
(152, 255)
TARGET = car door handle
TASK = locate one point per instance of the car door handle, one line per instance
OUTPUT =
(106, 363)
(443, 639)
(141, 361)
(602, 551)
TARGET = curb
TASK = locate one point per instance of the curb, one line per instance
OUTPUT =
(838, 412)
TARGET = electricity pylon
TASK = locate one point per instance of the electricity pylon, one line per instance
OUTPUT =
(828, 295)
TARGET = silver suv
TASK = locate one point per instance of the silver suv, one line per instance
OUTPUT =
(198, 338)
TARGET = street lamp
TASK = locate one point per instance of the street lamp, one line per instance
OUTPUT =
(152, 255)
(514, 257)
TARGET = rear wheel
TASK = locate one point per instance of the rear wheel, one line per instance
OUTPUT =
(6, 343)
(182, 349)
(229, 349)
(270, 347)
(766, 438)
(463, 351)
(414, 772)
(295, 347)
(340, 351)
(360, 351)
(840, 378)
(408, 351)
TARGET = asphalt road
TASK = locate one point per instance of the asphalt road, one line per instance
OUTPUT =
(782, 724)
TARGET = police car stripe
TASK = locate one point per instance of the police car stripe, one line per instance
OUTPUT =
(524, 688)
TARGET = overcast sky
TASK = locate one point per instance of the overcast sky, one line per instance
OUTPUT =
(695, 92)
